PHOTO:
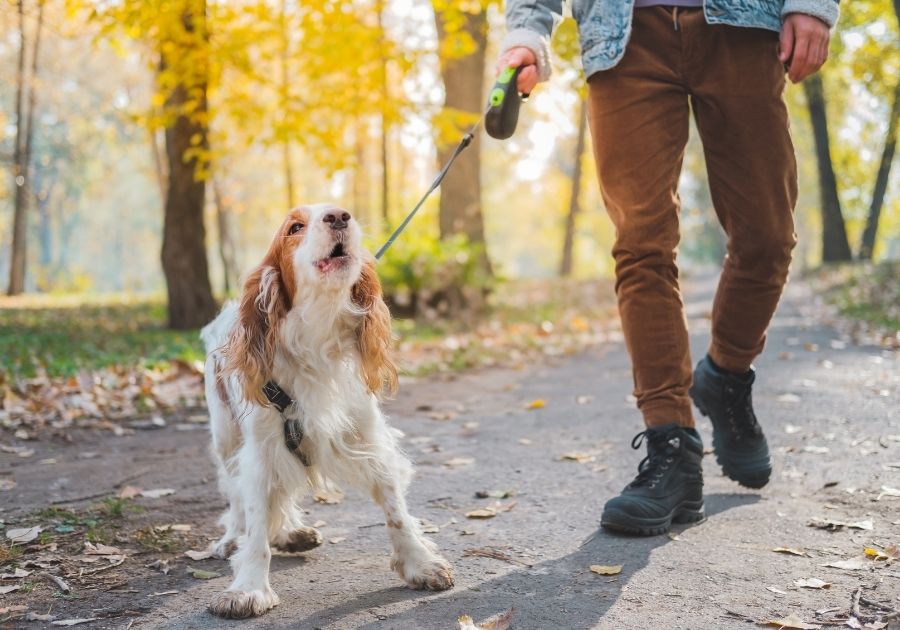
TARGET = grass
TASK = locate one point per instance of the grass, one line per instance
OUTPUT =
(866, 292)
(64, 334)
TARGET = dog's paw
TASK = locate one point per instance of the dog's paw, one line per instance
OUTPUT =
(432, 573)
(301, 539)
(224, 548)
(243, 604)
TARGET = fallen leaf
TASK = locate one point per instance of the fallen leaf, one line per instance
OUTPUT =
(887, 491)
(198, 555)
(539, 403)
(129, 492)
(812, 583)
(525, 441)
(584, 400)
(834, 525)
(818, 450)
(99, 549)
(72, 622)
(581, 458)
(23, 534)
(428, 527)
(793, 552)
(9, 589)
(165, 593)
(157, 493)
(791, 621)
(500, 621)
(12, 609)
(602, 569)
(776, 590)
(337, 539)
(853, 564)
(788, 398)
(456, 462)
(33, 616)
(200, 574)
(443, 415)
(320, 523)
(482, 513)
(7, 484)
(329, 497)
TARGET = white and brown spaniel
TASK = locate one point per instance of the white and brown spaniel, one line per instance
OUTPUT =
(312, 329)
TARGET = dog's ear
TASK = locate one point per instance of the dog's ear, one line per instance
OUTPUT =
(373, 335)
(251, 347)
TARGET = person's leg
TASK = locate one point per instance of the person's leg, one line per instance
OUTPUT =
(743, 122)
(736, 86)
(639, 125)
(639, 116)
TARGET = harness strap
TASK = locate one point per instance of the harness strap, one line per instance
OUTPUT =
(293, 429)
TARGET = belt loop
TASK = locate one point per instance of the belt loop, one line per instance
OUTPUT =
(675, 18)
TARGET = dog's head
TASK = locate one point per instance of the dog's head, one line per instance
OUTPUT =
(317, 253)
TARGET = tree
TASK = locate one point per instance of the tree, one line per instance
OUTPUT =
(191, 302)
(22, 148)
(835, 246)
(867, 241)
(462, 37)
(565, 266)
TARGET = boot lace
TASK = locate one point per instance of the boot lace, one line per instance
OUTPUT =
(739, 412)
(661, 451)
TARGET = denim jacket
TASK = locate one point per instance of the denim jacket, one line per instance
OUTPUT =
(604, 26)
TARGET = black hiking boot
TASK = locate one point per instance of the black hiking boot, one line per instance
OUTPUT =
(738, 440)
(668, 487)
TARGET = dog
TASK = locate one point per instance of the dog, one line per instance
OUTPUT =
(311, 335)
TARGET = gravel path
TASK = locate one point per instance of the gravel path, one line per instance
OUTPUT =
(830, 410)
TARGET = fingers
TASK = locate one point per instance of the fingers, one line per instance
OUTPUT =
(516, 57)
(787, 42)
(528, 80)
(808, 40)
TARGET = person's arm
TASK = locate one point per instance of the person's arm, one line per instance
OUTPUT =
(805, 34)
(529, 26)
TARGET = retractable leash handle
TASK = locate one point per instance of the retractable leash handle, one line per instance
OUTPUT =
(503, 105)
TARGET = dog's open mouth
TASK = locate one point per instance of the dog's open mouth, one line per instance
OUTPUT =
(338, 257)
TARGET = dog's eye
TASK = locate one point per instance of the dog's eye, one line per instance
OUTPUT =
(296, 227)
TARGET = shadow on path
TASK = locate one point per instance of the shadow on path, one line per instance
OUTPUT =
(560, 592)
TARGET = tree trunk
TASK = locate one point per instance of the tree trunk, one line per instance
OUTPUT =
(22, 150)
(835, 246)
(385, 125)
(191, 302)
(565, 267)
(460, 205)
(867, 243)
(227, 248)
(158, 164)
(285, 100)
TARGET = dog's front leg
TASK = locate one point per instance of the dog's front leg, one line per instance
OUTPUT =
(250, 594)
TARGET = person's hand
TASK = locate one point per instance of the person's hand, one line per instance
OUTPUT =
(804, 43)
(520, 56)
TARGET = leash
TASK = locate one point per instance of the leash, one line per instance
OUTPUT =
(499, 120)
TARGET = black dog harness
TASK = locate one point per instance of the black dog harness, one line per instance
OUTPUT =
(293, 429)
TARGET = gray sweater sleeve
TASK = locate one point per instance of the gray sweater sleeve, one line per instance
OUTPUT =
(530, 23)
(825, 10)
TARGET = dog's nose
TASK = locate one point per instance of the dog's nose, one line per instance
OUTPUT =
(338, 219)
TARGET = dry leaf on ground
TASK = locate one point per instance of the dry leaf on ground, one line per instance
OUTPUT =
(198, 555)
(853, 564)
(540, 403)
(834, 525)
(482, 513)
(456, 462)
(602, 569)
(23, 534)
(329, 497)
(500, 621)
(73, 622)
(887, 491)
(791, 621)
(337, 539)
(812, 583)
(157, 493)
(202, 574)
(581, 458)
(789, 550)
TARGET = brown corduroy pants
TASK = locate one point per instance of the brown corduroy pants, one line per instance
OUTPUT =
(732, 80)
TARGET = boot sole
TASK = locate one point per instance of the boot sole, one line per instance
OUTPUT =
(754, 479)
(687, 512)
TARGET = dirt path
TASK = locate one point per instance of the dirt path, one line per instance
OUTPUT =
(830, 410)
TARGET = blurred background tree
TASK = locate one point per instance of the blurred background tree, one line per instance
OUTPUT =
(154, 147)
